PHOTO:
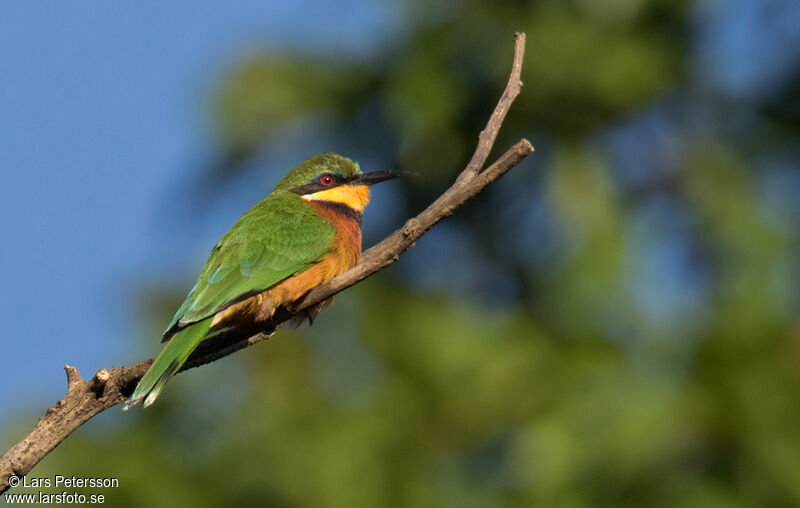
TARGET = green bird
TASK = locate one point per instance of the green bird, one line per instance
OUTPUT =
(305, 232)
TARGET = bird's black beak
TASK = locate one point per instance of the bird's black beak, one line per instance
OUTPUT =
(374, 177)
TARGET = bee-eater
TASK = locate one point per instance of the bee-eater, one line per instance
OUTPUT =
(305, 232)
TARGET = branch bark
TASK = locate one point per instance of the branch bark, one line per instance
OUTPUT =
(109, 387)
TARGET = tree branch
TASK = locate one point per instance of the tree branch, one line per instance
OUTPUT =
(489, 133)
(109, 387)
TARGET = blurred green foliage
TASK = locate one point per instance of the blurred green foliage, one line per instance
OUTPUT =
(647, 352)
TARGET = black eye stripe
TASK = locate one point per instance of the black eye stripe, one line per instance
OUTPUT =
(319, 183)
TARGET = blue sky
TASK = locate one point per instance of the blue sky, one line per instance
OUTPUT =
(102, 110)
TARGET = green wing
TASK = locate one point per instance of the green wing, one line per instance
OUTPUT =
(277, 238)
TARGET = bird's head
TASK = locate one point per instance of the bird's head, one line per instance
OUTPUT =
(333, 178)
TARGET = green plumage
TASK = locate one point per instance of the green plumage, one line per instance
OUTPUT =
(167, 363)
(278, 237)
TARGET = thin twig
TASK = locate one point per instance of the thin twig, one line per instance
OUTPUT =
(110, 387)
(489, 133)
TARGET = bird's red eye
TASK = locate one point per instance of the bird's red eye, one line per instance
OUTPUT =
(326, 180)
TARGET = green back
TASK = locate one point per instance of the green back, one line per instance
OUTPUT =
(278, 237)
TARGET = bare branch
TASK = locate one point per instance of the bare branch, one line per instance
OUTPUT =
(109, 387)
(489, 133)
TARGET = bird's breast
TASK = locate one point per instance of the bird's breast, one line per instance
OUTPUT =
(346, 246)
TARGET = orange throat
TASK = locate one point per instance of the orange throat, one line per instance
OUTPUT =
(355, 197)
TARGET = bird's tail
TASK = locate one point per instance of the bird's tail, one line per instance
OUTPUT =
(168, 362)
